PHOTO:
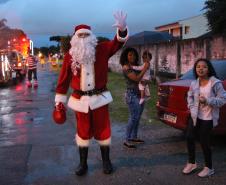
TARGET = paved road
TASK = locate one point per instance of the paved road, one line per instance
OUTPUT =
(35, 151)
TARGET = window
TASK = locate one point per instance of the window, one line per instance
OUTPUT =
(186, 29)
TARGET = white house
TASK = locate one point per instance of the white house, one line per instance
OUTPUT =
(192, 27)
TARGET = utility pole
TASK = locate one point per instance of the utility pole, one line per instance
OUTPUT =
(178, 65)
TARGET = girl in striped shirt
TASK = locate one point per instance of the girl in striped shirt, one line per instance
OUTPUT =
(31, 62)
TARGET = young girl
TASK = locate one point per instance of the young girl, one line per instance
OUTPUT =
(205, 96)
(143, 84)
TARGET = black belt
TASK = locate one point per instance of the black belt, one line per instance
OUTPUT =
(90, 93)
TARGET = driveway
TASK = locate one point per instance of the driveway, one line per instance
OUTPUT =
(36, 151)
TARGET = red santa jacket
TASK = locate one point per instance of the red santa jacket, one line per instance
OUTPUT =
(104, 51)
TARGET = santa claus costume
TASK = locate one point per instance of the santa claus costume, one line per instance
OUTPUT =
(85, 70)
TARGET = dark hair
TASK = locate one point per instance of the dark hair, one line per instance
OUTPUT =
(211, 70)
(147, 53)
(124, 56)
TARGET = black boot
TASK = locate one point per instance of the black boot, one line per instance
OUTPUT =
(107, 166)
(82, 167)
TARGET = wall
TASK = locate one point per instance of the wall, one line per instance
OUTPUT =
(218, 48)
(165, 55)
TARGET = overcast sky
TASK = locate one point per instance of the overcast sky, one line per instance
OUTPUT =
(39, 18)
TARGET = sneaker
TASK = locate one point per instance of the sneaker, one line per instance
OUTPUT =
(141, 101)
(206, 172)
(189, 168)
(29, 84)
(136, 140)
(129, 144)
(35, 83)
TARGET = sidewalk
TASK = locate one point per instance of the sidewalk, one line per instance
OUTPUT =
(36, 151)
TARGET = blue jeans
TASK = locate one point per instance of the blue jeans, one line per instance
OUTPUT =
(135, 110)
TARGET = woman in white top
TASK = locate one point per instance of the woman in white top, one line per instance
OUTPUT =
(205, 96)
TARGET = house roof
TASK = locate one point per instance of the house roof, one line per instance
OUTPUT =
(166, 25)
(206, 35)
(176, 22)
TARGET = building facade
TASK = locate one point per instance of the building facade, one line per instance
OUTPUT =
(192, 27)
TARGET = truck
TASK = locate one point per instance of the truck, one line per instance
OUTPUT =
(14, 48)
(17, 63)
(6, 72)
(12, 66)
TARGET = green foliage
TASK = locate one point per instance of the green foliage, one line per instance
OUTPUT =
(150, 112)
(47, 50)
(118, 108)
(55, 38)
(216, 15)
(54, 49)
(44, 50)
(65, 43)
(36, 51)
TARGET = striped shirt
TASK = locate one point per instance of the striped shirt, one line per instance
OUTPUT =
(31, 62)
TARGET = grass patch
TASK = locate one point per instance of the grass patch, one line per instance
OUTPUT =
(118, 108)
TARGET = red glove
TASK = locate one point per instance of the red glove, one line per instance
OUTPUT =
(59, 113)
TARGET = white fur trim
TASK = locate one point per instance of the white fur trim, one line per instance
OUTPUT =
(60, 98)
(87, 81)
(123, 39)
(81, 142)
(104, 142)
(94, 102)
(100, 100)
(83, 31)
(80, 105)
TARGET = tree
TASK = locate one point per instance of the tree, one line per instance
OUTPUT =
(216, 15)
(55, 38)
(54, 49)
(36, 51)
(47, 50)
(44, 50)
(3, 23)
(65, 43)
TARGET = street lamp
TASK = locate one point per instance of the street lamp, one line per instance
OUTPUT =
(31, 47)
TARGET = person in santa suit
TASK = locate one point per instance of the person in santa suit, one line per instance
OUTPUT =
(85, 70)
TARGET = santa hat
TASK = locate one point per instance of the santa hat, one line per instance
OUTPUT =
(82, 28)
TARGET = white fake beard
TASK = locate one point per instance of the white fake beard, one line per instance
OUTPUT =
(82, 51)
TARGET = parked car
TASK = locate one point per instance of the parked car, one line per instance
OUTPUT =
(172, 100)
